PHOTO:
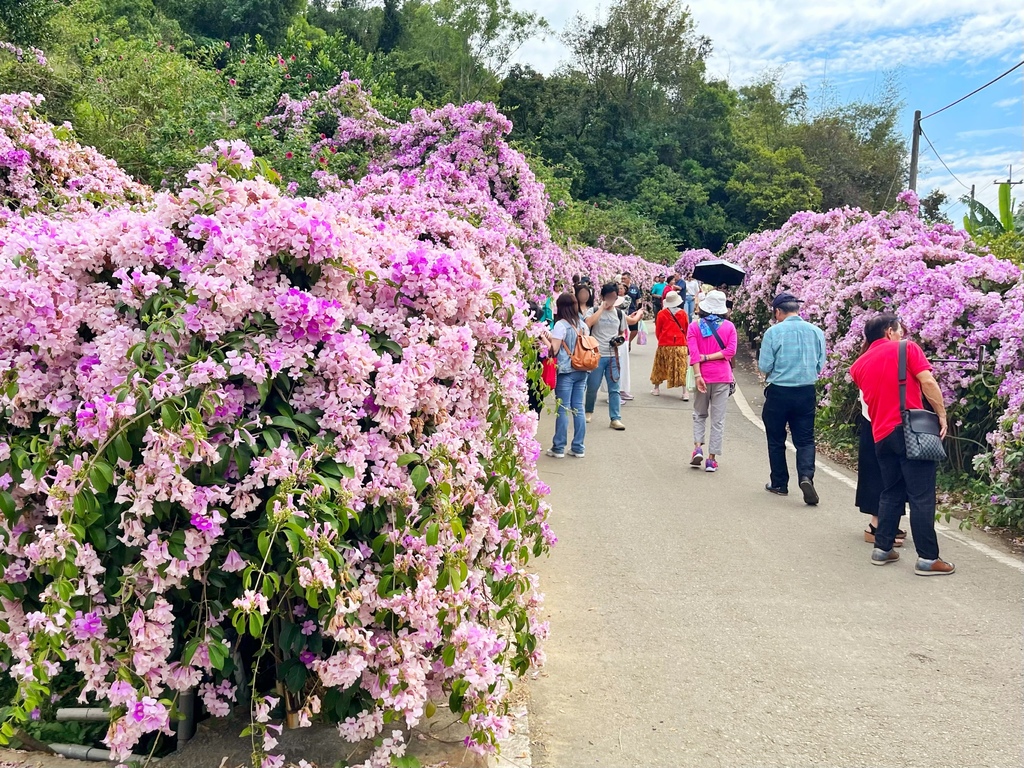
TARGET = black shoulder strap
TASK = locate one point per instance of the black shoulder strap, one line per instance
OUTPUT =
(676, 319)
(902, 373)
(714, 332)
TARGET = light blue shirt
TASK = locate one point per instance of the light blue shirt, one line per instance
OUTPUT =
(792, 353)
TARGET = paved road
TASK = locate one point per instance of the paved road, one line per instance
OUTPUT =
(698, 621)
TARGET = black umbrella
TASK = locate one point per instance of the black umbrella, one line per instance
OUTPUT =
(719, 272)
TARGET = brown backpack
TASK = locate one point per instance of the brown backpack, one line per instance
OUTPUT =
(586, 355)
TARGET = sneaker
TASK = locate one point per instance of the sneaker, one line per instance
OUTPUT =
(555, 454)
(881, 557)
(711, 466)
(617, 425)
(656, 392)
(697, 458)
(810, 495)
(589, 417)
(777, 491)
(625, 396)
(938, 567)
(579, 455)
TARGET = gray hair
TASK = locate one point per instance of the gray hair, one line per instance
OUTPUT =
(789, 308)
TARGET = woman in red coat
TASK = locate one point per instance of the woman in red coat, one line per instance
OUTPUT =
(671, 361)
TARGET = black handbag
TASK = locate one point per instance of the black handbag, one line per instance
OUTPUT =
(921, 428)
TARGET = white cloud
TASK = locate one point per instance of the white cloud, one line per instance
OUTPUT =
(1007, 103)
(981, 133)
(834, 38)
(980, 169)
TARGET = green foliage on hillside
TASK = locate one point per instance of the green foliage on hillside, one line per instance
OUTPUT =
(646, 151)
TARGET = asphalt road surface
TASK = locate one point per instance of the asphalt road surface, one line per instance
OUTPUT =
(698, 621)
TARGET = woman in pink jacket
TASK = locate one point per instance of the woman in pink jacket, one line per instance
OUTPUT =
(712, 343)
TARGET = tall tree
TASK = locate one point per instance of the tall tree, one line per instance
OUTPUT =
(232, 19)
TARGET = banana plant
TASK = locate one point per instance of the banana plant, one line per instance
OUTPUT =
(981, 220)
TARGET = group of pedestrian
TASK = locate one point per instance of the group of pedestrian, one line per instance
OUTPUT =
(894, 379)
(893, 376)
(613, 320)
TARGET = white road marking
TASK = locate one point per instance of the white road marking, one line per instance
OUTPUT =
(945, 530)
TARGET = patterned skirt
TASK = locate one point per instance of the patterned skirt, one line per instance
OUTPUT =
(670, 364)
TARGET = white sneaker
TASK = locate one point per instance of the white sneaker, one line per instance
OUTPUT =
(551, 452)
(579, 455)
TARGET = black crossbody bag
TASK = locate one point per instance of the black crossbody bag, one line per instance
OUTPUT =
(921, 428)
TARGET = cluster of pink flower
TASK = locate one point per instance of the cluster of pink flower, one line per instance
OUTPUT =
(689, 259)
(44, 169)
(19, 53)
(953, 298)
(264, 408)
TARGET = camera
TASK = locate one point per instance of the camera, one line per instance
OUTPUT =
(618, 341)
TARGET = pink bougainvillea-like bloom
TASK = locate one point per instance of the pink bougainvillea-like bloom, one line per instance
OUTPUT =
(264, 410)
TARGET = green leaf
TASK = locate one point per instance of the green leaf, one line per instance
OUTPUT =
(285, 422)
(504, 492)
(124, 450)
(407, 761)
(432, 534)
(448, 655)
(98, 537)
(264, 389)
(7, 507)
(256, 624)
(170, 416)
(419, 477)
(295, 677)
(101, 476)
(218, 653)
(272, 438)
(190, 650)
(407, 458)
(176, 545)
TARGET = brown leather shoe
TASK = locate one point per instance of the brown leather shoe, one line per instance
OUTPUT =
(937, 567)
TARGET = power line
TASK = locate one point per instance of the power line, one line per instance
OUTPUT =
(936, 152)
(986, 85)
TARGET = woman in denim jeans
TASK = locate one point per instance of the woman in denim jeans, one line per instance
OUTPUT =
(571, 385)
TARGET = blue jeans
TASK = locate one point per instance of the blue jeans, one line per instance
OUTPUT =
(689, 306)
(609, 370)
(570, 389)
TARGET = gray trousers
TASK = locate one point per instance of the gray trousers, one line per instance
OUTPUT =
(710, 404)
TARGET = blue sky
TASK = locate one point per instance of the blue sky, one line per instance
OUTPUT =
(939, 50)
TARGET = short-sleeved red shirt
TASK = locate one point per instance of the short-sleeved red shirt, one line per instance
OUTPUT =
(876, 373)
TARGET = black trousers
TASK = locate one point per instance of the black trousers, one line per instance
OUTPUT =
(791, 407)
(913, 481)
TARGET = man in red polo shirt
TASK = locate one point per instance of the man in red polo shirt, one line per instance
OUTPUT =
(876, 373)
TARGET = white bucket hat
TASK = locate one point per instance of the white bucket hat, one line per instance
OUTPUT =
(673, 299)
(714, 303)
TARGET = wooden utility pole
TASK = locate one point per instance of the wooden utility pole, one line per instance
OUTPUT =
(915, 150)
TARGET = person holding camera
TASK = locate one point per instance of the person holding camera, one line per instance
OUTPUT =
(608, 326)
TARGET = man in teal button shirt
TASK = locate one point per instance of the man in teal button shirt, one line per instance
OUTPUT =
(792, 357)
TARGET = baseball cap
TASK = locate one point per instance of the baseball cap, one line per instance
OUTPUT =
(785, 298)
